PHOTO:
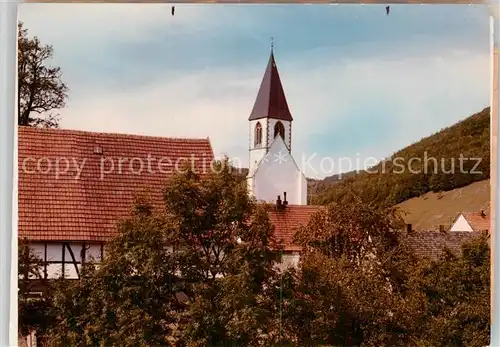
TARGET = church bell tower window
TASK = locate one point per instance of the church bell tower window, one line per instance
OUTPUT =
(258, 135)
(279, 129)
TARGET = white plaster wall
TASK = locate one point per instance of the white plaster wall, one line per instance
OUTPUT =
(302, 189)
(76, 248)
(54, 271)
(54, 251)
(461, 224)
(70, 271)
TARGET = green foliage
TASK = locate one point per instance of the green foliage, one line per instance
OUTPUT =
(391, 181)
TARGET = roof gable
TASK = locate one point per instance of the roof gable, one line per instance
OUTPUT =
(472, 221)
(271, 101)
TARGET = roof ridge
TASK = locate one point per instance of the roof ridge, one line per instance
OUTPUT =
(110, 134)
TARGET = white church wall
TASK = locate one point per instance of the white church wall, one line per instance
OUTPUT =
(302, 188)
(461, 224)
(278, 174)
(70, 271)
(54, 270)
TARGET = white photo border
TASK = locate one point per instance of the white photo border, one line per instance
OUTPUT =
(8, 158)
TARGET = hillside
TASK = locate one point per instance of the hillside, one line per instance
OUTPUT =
(392, 182)
(430, 210)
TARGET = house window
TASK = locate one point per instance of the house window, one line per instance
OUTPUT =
(279, 129)
(258, 134)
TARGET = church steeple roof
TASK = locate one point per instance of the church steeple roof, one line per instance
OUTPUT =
(271, 100)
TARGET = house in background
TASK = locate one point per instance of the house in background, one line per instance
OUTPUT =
(471, 222)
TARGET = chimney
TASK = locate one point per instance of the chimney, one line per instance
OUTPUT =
(284, 199)
(441, 228)
(278, 202)
(408, 228)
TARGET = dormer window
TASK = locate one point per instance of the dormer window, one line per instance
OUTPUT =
(258, 135)
(279, 129)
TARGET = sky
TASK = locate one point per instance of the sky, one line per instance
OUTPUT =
(360, 84)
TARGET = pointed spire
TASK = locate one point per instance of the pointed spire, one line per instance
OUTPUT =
(271, 101)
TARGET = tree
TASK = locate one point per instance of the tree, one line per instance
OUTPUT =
(40, 88)
(223, 243)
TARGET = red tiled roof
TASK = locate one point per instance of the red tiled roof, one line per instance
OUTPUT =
(87, 207)
(271, 101)
(477, 221)
(287, 221)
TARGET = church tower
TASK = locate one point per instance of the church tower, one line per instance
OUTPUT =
(272, 169)
(270, 115)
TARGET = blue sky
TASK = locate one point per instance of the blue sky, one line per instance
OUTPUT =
(359, 83)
